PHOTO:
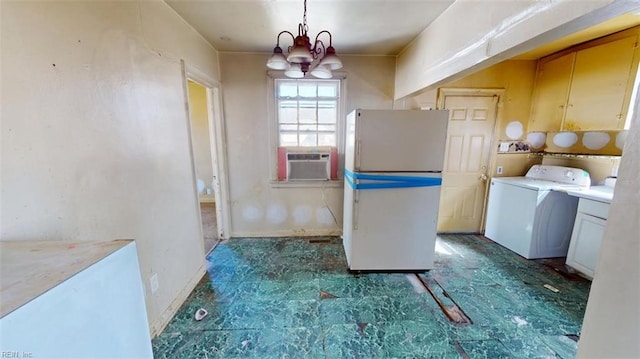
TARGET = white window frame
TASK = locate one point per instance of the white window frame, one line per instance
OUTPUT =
(300, 104)
(274, 140)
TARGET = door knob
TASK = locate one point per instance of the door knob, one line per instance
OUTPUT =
(483, 177)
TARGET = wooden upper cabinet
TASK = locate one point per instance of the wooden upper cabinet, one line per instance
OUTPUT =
(587, 87)
(550, 93)
(599, 86)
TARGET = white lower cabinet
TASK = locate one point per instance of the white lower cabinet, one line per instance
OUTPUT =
(587, 235)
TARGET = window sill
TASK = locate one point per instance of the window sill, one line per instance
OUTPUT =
(307, 184)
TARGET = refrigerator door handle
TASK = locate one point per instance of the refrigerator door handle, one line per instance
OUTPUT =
(357, 159)
(356, 199)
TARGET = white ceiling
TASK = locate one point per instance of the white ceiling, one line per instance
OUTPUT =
(362, 27)
(375, 27)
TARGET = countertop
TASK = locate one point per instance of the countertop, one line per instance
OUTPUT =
(596, 193)
(30, 268)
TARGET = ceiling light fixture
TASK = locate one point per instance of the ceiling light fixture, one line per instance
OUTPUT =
(302, 55)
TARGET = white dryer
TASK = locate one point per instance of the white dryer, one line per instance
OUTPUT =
(533, 215)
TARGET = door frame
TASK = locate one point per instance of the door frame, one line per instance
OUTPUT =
(218, 143)
(443, 92)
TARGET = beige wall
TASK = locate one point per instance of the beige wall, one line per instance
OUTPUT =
(257, 207)
(200, 134)
(517, 78)
(95, 142)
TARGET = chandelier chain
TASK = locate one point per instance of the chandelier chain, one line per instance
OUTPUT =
(305, 55)
(304, 18)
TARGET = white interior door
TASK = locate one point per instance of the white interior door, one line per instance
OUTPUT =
(472, 120)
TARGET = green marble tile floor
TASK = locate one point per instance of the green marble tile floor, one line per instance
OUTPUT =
(295, 298)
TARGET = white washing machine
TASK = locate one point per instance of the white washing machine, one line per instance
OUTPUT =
(533, 215)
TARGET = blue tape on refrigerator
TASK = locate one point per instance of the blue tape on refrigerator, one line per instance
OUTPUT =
(387, 181)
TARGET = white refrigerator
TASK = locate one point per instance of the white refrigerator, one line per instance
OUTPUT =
(393, 173)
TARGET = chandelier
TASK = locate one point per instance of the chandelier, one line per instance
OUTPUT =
(302, 55)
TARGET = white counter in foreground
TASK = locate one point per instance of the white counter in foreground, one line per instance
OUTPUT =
(63, 299)
(596, 193)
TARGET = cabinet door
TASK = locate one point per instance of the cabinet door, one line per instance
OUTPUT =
(586, 239)
(550, 94)
(599, 86)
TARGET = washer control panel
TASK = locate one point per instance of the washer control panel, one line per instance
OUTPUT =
(561, 174)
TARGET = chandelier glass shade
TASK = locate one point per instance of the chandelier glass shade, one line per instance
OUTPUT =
(304, 56)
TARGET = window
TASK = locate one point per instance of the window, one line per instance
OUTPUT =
(306, 123)
(307, 112)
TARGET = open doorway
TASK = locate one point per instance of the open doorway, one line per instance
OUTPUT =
(202, 143)
(208, 142)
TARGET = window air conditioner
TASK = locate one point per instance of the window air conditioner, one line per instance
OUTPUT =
(308, 165)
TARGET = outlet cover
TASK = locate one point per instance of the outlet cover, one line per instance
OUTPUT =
(153, 281)
(499, 170)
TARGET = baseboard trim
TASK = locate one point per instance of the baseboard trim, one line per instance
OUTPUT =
(288, 233)
(167, 315)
